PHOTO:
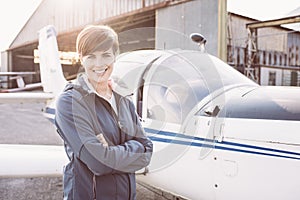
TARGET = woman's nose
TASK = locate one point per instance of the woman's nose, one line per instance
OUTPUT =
(99, 61)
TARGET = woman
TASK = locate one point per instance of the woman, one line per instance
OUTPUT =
(102, 134)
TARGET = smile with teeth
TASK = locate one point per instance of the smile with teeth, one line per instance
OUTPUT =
(100, 71)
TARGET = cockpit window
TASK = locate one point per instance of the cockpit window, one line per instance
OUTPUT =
(175, 88)
(182, 80)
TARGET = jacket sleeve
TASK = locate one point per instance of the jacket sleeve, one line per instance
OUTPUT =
(131, 126)
(140, 134)
(75, 124)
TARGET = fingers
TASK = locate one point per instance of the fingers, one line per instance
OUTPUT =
(102, 139)
(111, 83)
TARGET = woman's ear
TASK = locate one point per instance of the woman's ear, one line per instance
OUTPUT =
(115, 56)
(80, 57)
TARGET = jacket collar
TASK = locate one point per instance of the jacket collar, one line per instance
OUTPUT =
(85, 84)
(83, 81)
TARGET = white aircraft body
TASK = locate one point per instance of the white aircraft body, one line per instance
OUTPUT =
(216, 134)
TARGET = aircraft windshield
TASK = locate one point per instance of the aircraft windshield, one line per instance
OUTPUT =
(182, 80)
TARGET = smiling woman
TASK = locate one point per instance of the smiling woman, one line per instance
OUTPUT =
(104, 139)
(98, 66)
(97, 47)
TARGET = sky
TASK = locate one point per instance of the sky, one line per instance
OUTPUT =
(263, 9)
(15, 13)
(13, 16)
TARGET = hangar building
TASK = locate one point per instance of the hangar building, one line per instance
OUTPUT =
(160, 24)
(141, 24)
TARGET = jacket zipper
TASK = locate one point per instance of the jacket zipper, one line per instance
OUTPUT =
(94, 187)
(114, 116)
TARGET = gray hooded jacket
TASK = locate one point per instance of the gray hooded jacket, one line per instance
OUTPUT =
(96, 171)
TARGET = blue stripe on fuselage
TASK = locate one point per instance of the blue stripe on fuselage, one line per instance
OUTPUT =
(196, 142)
(207, 143)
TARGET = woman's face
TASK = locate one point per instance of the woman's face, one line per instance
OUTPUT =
(99, 65)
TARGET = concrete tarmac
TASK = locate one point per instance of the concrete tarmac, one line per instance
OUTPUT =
(51, 188)
(25, 124)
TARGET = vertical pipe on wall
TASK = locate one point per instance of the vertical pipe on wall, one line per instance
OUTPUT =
(222, 24)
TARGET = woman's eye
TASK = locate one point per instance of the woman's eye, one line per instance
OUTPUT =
(106, 55)
(91, 57)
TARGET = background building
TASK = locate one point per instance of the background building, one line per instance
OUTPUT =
(275, 53)
(141, 24)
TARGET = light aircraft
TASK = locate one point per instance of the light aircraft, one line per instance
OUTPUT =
(216, 133)
(18, 77)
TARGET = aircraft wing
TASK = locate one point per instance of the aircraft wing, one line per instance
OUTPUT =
(16, 73)
(25, 97)
(31, 160)
(32, 86)
(18, 77)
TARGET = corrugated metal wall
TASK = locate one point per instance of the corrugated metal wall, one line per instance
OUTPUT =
(68, 14)
(293, 48)
(175, 24)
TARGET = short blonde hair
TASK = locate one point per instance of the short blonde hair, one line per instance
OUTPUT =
(96, 38)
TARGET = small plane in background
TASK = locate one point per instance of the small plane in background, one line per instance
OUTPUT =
(18, 77)
(21, 94)
(216, 133)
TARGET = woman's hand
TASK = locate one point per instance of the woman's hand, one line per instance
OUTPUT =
(111, 84)
(101, 139)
